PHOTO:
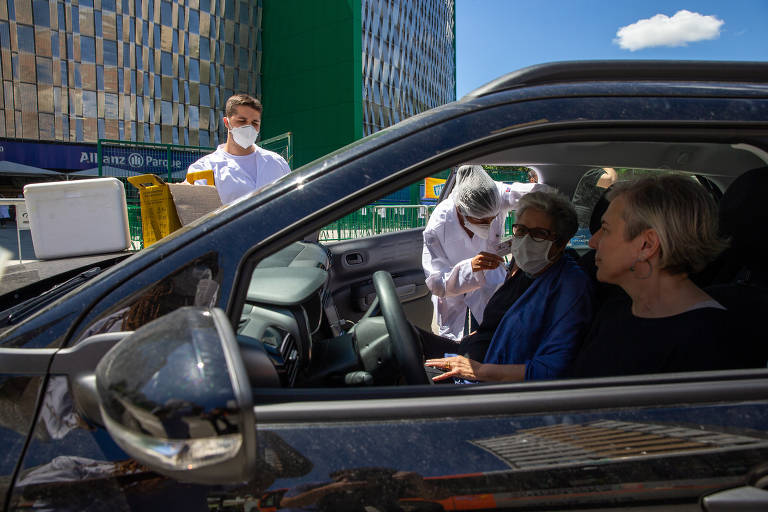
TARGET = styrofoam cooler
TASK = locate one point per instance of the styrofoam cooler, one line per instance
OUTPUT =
(76, 218)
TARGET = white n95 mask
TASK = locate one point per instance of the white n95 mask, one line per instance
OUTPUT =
(481, 230)
(530, 256)
(244, 136)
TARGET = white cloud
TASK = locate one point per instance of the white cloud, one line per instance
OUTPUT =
(661, 30)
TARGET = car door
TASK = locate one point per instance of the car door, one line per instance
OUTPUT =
(608, 443)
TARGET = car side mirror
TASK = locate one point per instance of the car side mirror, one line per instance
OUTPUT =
(176, 397)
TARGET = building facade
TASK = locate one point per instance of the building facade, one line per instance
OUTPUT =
(335, 71)
(141, 70)
(409, 59)
(159, 71)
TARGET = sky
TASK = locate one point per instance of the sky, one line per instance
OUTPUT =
(494, 37)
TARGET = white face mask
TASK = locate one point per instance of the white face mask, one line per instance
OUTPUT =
(531, 256)
(244, 136)
(481, 230)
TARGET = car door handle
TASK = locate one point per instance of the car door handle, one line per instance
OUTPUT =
(743, 499)
(354, 258)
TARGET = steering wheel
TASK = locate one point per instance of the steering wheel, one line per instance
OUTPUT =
(401, 334)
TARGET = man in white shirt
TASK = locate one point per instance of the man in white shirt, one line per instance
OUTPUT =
(239, 166)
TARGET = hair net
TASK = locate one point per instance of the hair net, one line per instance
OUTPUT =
(476, 194)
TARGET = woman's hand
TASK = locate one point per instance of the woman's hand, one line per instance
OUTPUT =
(458, 366)
(486, 261)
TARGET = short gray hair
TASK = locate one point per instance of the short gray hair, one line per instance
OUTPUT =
(559, 209)
(682, 213)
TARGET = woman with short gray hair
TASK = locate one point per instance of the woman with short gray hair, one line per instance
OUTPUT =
(655, 233)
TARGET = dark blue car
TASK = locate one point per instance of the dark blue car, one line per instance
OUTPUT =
(242, 364)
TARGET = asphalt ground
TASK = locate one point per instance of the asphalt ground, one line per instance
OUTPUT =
(8, 241)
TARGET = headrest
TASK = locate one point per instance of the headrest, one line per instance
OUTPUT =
(597, 212)
(744, 216)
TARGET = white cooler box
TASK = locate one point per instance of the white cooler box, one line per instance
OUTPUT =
(76, 218)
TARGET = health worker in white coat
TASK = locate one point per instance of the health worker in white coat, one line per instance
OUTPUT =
(240, 166)
(459, 257)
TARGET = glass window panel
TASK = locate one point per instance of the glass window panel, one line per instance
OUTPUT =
(111, 109)
(139, 59)
(180, 26)
(121, 130)
(165, 13)
(145, 33)
(45, 98)
(166, 61)
(158, 138)
(229, 9)
(120, 80)
(157, 34)
(101, 129)
(204, 136)
(11, 9)
(175, 91)
(108, 5)
(140, 109)
(133, 130)
(79, 129)
(42, 13)
(110, 53)
(26, 38)
(86, 3)
(90, 105)
(243, 58)
(166, 116)
(97, 24)
(62, 17)
(158, 87)
(205, 5)
(182, 73)
(15, 66)
(194, 70)
(204, 97)
(146, 84)
(75, 19)
(137, 9)
(55, 44)
(205, 49)
(100, 78)
(194, 21)
(87, 49)
(44, 70)
(5, 35)
(244, 11)
(175, 41)
(229, 55)
(133, 82)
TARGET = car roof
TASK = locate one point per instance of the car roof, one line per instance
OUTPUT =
(626, 71)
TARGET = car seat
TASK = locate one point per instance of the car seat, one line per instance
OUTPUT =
(742, 219)
(603, 291)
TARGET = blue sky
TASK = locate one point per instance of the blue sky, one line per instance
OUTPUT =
(494, 37)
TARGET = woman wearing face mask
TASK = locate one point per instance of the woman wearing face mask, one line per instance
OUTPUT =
(459, 257)
(239, 166)
(549, 307)
(655, 232)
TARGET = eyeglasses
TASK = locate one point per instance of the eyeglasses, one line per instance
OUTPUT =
(537, 234)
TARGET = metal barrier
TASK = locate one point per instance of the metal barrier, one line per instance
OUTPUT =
(376, 219)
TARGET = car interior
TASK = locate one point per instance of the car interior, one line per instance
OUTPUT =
(324, 316)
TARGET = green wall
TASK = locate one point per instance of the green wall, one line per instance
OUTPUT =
(312, 74)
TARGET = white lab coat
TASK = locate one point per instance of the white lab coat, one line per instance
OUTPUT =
(236, 176)
(447, 261)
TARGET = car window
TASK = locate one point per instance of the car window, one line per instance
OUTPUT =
(319, 313)
(195, 284)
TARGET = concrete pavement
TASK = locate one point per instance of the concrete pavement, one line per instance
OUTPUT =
(9, 242)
